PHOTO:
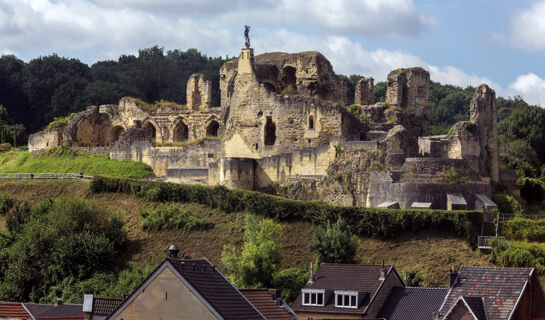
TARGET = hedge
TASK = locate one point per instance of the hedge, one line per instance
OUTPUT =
(366, 221)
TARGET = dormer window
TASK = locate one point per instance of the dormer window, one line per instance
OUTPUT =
(313, 297)
(346, 299)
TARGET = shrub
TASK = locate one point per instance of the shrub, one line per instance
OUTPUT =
(290, 282)
(451, 176)
(260, 256)
(521, 254)
(169, 217)
(413, 278)
(335, 244)
(355, 109)
(532, 190)
(524, 229)
(60, 121)
(508, 204)
(58, 240)
(365, 221)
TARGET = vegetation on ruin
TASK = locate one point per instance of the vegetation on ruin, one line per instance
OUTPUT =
(186, 143)
(290, 90)
(65, 160)
(59, 121)
(151, 107)
(450, 176)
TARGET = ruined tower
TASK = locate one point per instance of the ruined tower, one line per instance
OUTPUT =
(484, 115)
(199, 92)
(365, 92)
(408, 89)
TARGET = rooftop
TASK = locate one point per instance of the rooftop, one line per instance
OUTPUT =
(413, 303)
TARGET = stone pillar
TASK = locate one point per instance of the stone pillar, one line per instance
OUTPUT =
(246, 61)
(483, 114)
(365, 92)
(199, 92)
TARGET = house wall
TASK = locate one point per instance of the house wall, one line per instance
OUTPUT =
(383, 293)
(460, 312)
(312, 316)
(532, 303)
(166, 298)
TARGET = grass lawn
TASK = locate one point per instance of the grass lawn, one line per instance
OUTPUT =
(63, 161)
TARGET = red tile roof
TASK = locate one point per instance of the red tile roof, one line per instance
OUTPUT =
(499, 287)
(105, 306)
(266, 303)
(13, 310)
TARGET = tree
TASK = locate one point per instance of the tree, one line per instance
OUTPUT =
(260, 258)
(380, 91)
(335, 244)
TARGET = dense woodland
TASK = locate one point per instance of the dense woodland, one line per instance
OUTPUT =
(35, 93)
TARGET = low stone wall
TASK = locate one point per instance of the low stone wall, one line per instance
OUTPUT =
(382, 189)
(188, 175)
(95, 150)
(162, 158)
(44, 140)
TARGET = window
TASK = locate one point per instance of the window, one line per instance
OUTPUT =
(313, 299)
(311, 123)
(346, 300)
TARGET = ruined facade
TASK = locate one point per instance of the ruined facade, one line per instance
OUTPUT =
(283, 120)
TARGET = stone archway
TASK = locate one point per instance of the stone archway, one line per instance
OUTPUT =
(151, 130)
(115, 132)
(270, 132)
(180, 132)
(212, 129)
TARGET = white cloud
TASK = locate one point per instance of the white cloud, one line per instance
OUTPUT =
(527, 30)
(530, 86)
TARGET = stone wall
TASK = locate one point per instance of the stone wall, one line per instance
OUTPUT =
(44, 140)
(199, 92)
(483, 113)
(162, 158)
(365, 92)
(384, 188)
(261, 123)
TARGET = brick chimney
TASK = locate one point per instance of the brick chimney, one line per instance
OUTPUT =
(382, 275)
(311, 274)
(453, 275)
(58, 302)
(174, 250)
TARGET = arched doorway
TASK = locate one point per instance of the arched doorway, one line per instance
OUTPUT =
(115, 133)
(212, 129)
(150, 130)
(181, 132)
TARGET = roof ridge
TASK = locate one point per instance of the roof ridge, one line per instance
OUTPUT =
(433, 288)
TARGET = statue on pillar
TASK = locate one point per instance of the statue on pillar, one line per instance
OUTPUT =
(247, 36)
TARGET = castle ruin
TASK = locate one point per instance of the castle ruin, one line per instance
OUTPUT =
(283, 121)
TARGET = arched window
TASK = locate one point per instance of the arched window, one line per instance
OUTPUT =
(212, 129)
(116, 132)
(150, 130)
(181, 132)
(311, 122)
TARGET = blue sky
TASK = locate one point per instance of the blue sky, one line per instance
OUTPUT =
(465, 42)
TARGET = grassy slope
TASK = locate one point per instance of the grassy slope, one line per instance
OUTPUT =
(23, 162)
(429, 252)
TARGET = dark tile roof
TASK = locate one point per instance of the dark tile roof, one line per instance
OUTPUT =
(499, 287)
(215, 289)
(264, 301)
(13, 310)
(63, 311)
(477, 307)
(353, 277)
(37, 308)
(413, 303)
(105, 306)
